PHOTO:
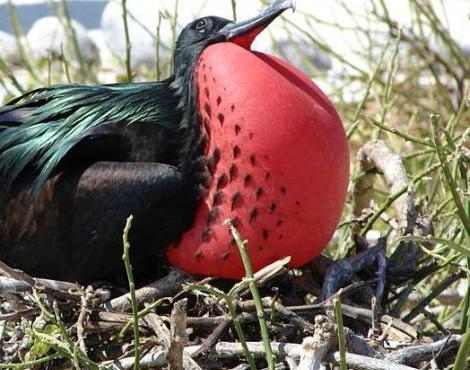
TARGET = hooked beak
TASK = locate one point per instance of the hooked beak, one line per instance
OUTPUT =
(244, 33)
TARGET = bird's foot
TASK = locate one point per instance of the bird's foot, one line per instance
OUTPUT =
(345, 271)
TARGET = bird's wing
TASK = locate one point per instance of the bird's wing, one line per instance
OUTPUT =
(37, 130)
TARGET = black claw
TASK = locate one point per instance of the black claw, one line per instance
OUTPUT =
(345, 271)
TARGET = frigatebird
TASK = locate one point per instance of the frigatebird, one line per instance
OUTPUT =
(232, 134)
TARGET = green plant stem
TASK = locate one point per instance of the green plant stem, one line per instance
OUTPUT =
(339, 323)
(464, 322)
(448, 175)
(386, 102)
(64, 350)
(392, 198)
(73, 38)
(174, 23)
(63, 346)
(207, 289)
(401, 134)
(270, 359)
(453, 245)
(18, 32)
(158, 68)
(360, 107)
(44, 311)
(142, 313)
(240, 334)
(233, 3)
(462, 354)
(65, 65)
(130, 278)
(7, 72)
(31, 364)
(128, 42)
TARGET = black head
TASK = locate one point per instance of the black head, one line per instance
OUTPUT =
(196, 36)
(203, 32)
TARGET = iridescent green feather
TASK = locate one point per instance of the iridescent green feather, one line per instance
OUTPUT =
(38, 129)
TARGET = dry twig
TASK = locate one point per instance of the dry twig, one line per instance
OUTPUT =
(165, 287)
(178, 335)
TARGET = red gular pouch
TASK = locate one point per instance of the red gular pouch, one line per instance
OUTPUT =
(280, 163)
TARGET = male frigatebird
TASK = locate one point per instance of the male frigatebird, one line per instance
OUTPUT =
(232, 134)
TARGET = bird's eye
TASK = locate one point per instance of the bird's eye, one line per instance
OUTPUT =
(201, 25)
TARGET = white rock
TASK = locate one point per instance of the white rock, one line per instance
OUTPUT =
(50, 35)
(3, 95)
(142, 34)
(8, 48)
(372, 237)
(462, 287)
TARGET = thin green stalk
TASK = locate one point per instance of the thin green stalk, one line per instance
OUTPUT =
(441, 208)
(65, 350)
(234, 9)
(419, 153)
(462, 354)
(65, 66)
(430, 169)
(49, 70)
(228, 298)
(401, 134)
(448, 243)
(174, 23)
(73, 38)
(270, 359)
(158, 68)
(31, 364)
(382, 209)
(355, 120)
(4, 86)
(142, 313)
(63, 346)
(130, 278)
(75, 360)
(464, 322)
(241, 335)
(74, 352)
(339, 323)
(453, 123)
(323, 46)
(128, 42)
(448, 175)
(44, 311)
(436, 24)
(8, 73)
(18, 32)
(387, 101)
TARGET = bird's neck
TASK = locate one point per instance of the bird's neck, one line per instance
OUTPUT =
(193, 161)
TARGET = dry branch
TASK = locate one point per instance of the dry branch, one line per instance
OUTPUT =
(415, 354)
(375, 155)
(164, 335)
(314, 349)
(359, 362)
(178, 335)
(284, 350)
(165, 287)
(53, 288)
